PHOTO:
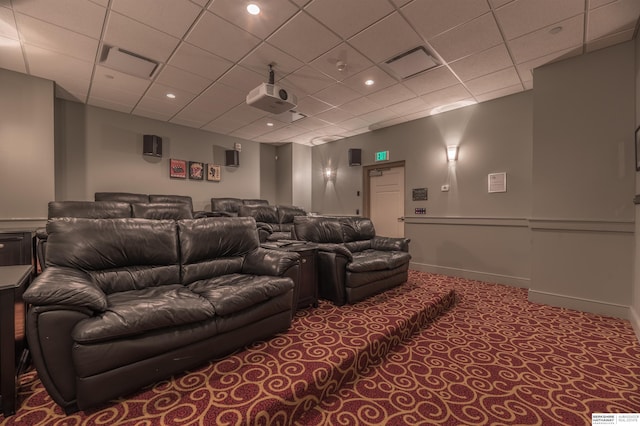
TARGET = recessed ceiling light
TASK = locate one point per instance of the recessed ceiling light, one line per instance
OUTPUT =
(270, 124)
(369, 82)
(170, 96)
(253, 8)
(555, 30)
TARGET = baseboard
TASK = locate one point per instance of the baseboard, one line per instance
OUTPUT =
(634, 318)
(472, 275)
(580, 304)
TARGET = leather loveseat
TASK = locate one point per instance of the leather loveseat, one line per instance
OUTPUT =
(353, 262)
(153, 199)
(274, 222)
(126, 302)
(229, 206)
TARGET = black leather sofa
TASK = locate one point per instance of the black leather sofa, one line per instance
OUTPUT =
(126, 302)
(229, 206)
(274, 222)
(135, 198)
(353, 263)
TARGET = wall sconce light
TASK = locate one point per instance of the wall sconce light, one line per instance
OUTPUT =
(329, 174)
(452, 152)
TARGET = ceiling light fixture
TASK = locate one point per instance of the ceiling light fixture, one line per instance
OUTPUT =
(270, 124)
(341, 66)
(253, 8)
(170, 96)
(369, 82)
(555, 30)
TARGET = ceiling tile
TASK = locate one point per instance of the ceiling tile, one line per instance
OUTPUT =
(79, 16)
(349, 17)
(223, 125)
(524, 16)
(400, 3)
(494, 81)
(392, 95)
(170, 16)
(155, 101)
(304, 38)
(498, 3)
(201, 3)
(242, 79)
(613, 18)
(334, 115)
(311, 106)
(594, 4)
(354, 124)
(447, 96)
(375, 42)
(260, 59)
(307, 81)
(52, 37)
(212, 103)
(525, 69)
(115, 87)
(488, 61)
(213, 34)
(433, 17)
(603, 42)
(542, 42)
(184, 80)
(380, 78)
(273, 14)
(244, 114)
(378, 116)
(432, 80)
(360, 106)
(337, 94)
(355, 62)
(472, 37)
(198, 61)
(408, 106)
(11, 55)
(7, 25)
(499, 93)
(73, 75)
(138, 38)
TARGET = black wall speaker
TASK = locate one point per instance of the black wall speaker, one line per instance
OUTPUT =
(355, 157)
(233, 157)
(152, 145)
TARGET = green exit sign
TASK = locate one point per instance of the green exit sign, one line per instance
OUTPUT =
(382, 155)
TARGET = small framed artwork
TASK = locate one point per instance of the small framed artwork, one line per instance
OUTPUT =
(213, 172)
(638, 149)
(177, 169)
(196, 170)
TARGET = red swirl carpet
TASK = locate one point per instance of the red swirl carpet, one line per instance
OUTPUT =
(399, 358)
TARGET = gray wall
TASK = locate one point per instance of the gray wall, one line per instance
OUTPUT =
(467, 231)
(26, 149)
(284, 167)
(268, 174)
(583, 182)
(301, 176)
(101, 150)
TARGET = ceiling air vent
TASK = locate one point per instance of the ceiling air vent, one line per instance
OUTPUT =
(129, 63)
(410, 63)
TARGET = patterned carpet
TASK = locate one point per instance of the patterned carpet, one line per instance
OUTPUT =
(493, 358)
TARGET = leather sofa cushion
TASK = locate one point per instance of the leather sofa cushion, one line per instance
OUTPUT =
(357, 229)
(318, 229)
(287, 213)
(355, 246)
(89, 209)
(218, 238)
(233, 293)
(261, 213)
(157, 210)
(125, 197)
(138, 311)
(123, 254)
(182, 199)
(373, 260)
(229, 205)
(255, 202)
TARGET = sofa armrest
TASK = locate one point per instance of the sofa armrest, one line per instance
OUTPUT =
(269, 262)
(338, 249)
(390, 243)
(67, 287)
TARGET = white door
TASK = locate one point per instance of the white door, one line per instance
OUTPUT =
(386, 189)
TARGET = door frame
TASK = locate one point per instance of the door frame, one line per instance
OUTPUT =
(366, 183)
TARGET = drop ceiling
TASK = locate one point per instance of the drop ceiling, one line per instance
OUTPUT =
(211, 53)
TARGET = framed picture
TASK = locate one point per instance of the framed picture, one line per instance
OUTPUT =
(213, 172)
(177, 169)
(638, 149)
(196, 170)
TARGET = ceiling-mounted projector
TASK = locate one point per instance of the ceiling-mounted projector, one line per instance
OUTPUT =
(271, 98)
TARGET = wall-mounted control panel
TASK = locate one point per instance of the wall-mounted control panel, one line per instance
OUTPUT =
(420, 210)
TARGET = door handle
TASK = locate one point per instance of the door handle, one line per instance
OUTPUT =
(401, 219)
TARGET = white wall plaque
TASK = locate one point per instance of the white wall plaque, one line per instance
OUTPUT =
(498, 182)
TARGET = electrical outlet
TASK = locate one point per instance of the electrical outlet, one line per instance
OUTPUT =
(444, 188)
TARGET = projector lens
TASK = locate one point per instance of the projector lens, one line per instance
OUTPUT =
(283, 94)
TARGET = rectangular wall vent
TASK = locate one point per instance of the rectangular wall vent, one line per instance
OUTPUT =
(129, 63)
